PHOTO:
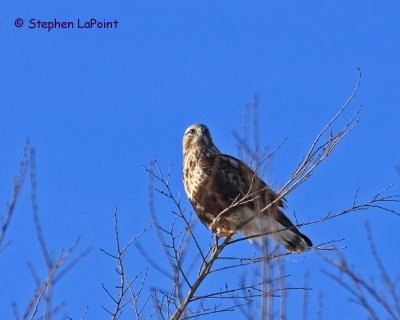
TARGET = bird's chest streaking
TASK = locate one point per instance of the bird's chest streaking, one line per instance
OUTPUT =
(207, 192)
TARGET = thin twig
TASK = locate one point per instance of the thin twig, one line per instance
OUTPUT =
(125, 285)
(17, 186)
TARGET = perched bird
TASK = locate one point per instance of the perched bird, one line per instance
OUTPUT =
(229, 197)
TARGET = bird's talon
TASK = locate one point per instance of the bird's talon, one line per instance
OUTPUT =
(221, 232)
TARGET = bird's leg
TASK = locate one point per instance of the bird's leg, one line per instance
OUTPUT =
(220, 231)
(212, 226)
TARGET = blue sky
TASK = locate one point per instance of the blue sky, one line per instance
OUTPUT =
(99, 104)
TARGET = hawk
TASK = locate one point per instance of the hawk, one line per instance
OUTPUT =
(229, 197)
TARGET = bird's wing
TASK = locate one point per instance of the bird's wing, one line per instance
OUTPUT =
(233, 178)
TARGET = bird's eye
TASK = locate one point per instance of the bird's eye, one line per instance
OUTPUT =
(192, 131)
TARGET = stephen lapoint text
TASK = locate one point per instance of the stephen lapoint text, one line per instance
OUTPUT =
(78, 24)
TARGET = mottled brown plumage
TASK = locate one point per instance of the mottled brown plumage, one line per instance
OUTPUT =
(214, 181)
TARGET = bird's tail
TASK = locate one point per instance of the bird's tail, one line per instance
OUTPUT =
(278, 226)
(292, 239)
(288, 235)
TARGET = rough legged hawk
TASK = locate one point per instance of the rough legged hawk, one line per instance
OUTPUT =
(229, 197)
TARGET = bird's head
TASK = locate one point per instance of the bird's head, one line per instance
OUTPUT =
(198, 136)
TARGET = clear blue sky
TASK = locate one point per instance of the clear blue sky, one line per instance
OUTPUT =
(99, 104)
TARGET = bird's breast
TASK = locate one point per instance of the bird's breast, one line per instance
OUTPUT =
(193, 177)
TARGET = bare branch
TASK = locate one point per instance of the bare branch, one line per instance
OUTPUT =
(363, 292)
(85, 313)
(125, 286)
(42, 295)
(35, 211)
(169, 194)
(17, 185)
(36, 299)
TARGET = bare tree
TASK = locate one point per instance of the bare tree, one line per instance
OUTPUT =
(380, 299)
(40, 304)
(126, 294)
(189, 269)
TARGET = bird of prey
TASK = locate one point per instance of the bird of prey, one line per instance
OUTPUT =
(229, 197)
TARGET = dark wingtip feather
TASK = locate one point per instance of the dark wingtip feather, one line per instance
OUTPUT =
(307, 240)
(298, 243)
